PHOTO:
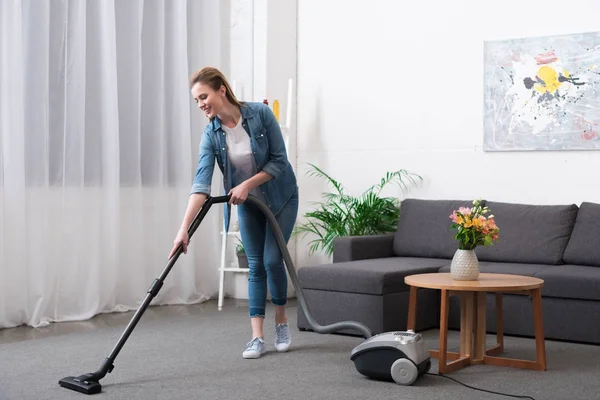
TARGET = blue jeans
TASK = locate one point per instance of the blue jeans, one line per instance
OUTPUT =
(265, 260)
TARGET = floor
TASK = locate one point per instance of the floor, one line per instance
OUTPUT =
(199, 349)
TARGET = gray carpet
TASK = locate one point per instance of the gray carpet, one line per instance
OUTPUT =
(194, 352)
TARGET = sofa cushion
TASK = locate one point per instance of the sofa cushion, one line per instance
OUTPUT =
(536, 234)
(506, 268)
(375, 276)
(571, 282)
(512, 268)
(583, 246)
(424, 228)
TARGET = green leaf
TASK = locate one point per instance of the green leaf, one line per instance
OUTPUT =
(340, 214)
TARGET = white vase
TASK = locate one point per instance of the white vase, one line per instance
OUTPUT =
(464, 266)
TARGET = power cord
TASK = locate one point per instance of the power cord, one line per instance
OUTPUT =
(482, 390)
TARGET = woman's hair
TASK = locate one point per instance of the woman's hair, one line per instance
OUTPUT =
(214, 78)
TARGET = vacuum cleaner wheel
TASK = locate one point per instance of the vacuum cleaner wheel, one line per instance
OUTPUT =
(404, 372)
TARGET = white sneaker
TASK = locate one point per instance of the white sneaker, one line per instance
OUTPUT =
(283, 339)
(255, 348)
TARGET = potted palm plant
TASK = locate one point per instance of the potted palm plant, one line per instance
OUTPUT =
(241, 255)
(341, 214)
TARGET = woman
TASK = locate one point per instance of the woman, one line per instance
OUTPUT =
(246, 141)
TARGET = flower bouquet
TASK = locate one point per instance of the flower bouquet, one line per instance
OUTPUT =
(473, 229)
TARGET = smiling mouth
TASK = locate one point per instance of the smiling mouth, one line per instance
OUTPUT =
(207, 111)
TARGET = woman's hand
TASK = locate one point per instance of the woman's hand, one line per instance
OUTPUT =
(239, 194)
(181, 239)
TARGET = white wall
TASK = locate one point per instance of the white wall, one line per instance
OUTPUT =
(385, 85)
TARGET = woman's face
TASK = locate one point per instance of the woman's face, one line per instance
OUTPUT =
(208, 100)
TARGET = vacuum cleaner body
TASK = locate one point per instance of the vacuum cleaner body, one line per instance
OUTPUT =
(399, 356)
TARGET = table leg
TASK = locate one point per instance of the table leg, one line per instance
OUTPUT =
(458, 360)
(499, 322)
(412, 309)
(540, 363)
(466, 324)
(479, 339)
(540, 344)
(499, 348)
(444, 307)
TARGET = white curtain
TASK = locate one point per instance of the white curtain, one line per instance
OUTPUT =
(98, 148)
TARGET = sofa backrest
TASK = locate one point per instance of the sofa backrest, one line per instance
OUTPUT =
(536, 234)
(424, 228)
(583, 246)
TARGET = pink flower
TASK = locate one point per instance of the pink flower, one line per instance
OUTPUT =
(464, 210)
(453, 216)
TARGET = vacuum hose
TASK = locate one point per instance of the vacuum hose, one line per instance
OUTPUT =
(366, 332)
(90, 383)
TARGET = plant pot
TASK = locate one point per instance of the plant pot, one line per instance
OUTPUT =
(242, 260)
(464, 266)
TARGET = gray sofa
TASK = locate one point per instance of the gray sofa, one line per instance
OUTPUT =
(557, 243)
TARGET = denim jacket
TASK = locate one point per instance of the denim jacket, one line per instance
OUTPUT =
(268, 148)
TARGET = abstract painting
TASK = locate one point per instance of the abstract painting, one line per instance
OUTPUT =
(542, 93)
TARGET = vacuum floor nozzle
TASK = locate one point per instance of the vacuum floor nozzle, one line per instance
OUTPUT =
(81, 384)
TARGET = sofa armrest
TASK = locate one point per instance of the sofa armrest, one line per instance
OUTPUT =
(352, 248)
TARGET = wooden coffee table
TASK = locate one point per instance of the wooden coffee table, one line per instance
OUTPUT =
(472, 318)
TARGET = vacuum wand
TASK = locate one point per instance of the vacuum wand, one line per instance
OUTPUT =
(90, 383)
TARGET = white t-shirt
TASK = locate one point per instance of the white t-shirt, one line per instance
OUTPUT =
(240, 155)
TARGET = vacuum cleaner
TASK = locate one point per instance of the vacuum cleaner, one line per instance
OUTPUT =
(378, 357)
(393, 356)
